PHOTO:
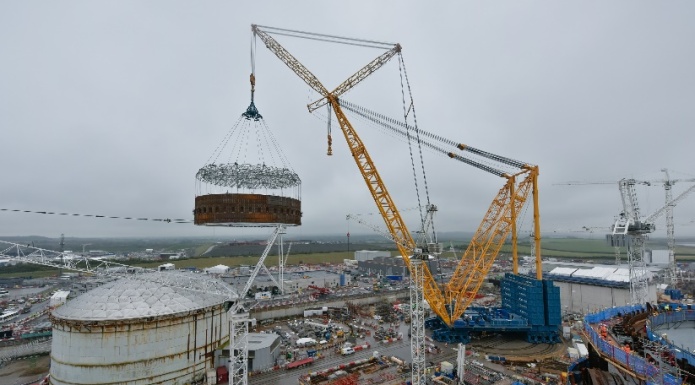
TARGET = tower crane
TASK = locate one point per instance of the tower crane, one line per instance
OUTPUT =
(631, 223)
(448, 302)
(239, 320)
(670, 227)
(628, 195)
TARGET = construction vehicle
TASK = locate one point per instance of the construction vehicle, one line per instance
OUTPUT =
(347, 351)
(319, 292)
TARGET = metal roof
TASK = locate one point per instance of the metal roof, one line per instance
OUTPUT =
(610, 275)
(261, 340)
(61, 294)
(605, 273)
(131, 298)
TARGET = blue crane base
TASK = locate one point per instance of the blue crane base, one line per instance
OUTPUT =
(462, 329)
(530, 307)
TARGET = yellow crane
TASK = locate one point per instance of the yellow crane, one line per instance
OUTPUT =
(449, 301)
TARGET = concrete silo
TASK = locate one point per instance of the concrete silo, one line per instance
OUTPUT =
(137, 331)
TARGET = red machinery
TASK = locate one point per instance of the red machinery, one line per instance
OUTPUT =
(319, 291)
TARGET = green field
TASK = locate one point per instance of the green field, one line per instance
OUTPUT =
(36, 271)
(271, 260)
(569, 248)
(589, 249)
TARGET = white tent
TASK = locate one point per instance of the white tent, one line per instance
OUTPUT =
(219, 269)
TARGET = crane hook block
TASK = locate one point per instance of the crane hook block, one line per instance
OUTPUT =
(253, 80)
(330, 145)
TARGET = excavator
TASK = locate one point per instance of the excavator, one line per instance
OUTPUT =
(448, 301)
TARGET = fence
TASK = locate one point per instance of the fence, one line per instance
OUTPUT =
(668, 318)
(630, 361)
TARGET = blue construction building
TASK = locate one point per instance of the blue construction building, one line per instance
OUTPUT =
(529, 306)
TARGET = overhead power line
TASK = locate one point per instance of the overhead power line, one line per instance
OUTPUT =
(163, 220)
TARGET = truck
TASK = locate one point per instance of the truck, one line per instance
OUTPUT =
(347, 351)
(302, 342)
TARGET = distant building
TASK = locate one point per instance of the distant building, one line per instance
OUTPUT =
(368, 255)
(350, 263)
(219, 269)
(586, 289)
(168, 256)
(166, 266)
(657, 257)
(59, 298)
(383, 266)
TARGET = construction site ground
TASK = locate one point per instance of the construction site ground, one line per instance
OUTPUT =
(541, 362)
(24, 371)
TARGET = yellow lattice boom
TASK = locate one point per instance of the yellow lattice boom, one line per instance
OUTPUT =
(450, 301)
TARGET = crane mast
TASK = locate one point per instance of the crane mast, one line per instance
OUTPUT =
(670, 236)
(239, 319)
(629, 223)
(670, 227)
(387, 208)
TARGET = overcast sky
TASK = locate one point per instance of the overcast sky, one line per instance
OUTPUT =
(111, 107)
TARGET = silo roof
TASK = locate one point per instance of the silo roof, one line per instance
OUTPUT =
(132, 298)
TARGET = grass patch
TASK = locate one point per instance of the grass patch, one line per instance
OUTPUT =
(271, 260)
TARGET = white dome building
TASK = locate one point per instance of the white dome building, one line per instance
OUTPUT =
(139, 332)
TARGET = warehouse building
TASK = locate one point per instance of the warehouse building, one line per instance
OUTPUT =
(383, 266)
(368, 255)
(264, 350)
(295, 281)
(589, 289)
(395, 266)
